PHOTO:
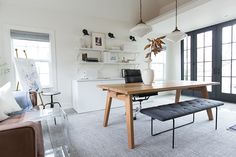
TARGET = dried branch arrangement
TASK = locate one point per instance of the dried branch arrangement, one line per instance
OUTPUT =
(155, 45)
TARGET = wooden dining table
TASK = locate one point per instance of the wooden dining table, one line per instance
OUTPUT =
(124, 93)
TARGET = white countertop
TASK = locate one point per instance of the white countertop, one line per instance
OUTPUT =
(98, 79)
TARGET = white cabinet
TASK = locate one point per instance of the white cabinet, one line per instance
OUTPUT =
(88, 97)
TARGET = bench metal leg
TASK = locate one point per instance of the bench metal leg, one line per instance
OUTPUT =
(173, 129)
(173, 135)
(216, 118)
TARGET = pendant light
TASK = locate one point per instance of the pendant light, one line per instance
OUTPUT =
(176, 35)
(141, 28)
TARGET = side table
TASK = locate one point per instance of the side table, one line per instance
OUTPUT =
(55, 127)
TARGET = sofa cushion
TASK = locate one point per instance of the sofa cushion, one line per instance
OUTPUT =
(13, 120)
(7, 101)
(23, 99)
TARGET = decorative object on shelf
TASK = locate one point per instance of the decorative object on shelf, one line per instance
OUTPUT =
(156, 46)
(98, 41)
(127, 60)
(92, 59)
(109, 57)
(176, 35)
(84, 56)
(85, 39)
(132, 38)
(111, 35)
(141, 28)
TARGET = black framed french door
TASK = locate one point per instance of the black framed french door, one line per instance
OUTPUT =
(212, 57)
(226, 61)
(199, 58)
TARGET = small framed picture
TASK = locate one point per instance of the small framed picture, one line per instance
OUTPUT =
(98, 41)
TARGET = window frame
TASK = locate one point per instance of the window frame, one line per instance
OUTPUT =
(8, 47)
(161, 63)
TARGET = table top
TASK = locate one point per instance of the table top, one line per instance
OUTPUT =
(43, 114)
(138, 88)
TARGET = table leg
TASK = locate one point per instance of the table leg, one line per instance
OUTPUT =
(177, 95)
(107, 109)
(205, 95)
(129, 120)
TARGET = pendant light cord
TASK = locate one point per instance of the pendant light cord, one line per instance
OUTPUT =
(140, 11)
(176, 14)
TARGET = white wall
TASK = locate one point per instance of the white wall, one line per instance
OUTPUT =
(67, 29)
(173, 62)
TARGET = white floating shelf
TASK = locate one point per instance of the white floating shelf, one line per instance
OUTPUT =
(105, 63)
(107, 50)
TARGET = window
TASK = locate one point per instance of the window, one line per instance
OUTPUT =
(187, 58)
(38, 48)
(158, 65)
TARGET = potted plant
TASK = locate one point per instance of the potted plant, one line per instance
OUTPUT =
(155, 46)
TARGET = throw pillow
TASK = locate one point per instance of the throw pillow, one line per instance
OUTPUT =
(3, 116)
(7, 100)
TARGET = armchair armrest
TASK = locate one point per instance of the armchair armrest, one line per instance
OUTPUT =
(21, 139)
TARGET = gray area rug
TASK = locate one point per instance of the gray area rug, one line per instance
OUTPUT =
(90, 139)
(232, 128)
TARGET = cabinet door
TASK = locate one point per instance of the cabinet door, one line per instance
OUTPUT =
(88, 97)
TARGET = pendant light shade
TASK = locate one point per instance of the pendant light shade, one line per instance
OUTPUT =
(141, 28)
(176, 35)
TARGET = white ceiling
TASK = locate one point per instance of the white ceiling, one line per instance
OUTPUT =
(121, 10)
(207, 13)
(193, 14)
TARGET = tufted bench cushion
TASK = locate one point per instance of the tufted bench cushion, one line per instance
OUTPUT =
(175, 110)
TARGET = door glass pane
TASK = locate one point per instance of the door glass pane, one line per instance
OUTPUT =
(234, 68)
(234, 51)
(226, 51)
(233, 85)
(208, 69)
(208, 38)
(226, 34)
(225, 85)
(199, 69)
(226, 68)
(200, 55)
(200, 40)
(208, 54)
(234, 33)
(199, 78)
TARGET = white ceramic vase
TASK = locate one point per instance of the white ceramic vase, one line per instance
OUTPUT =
(148, 74)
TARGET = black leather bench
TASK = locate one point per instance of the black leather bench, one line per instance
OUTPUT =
(180, 109)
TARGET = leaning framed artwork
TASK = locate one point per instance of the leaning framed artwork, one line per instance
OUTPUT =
(98, 41)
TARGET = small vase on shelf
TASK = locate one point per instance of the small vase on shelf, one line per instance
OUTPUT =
(85, 40)
(148, 73)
